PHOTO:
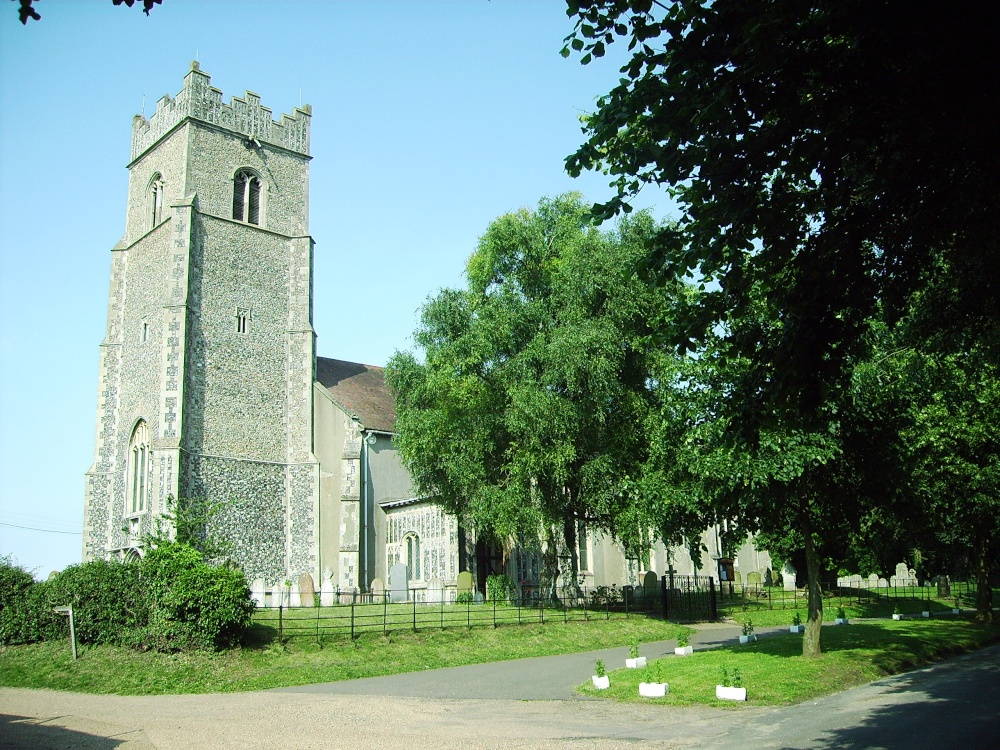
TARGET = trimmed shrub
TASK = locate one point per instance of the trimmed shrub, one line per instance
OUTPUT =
(192, 604)
(108, 599)
(25, 614)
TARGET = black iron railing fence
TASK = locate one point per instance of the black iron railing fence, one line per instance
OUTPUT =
(677, 598)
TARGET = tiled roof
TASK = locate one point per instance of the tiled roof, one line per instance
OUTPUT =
(361, 390)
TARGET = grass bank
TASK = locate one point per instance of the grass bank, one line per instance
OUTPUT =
(265, 663)
(775, 673)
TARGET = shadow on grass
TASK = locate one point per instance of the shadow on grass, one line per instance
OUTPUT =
(953, 705)
(259, 637)
(18, 732)
(896, 649)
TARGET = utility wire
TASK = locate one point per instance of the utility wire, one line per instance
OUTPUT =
(33, 528)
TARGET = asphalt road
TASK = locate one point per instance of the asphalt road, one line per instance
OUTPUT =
(527, 703)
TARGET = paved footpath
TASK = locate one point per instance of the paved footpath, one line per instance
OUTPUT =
(524, 704)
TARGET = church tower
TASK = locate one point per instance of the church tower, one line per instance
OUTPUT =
(206, 370)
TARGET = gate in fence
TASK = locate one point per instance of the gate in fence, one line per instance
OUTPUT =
(689, 597)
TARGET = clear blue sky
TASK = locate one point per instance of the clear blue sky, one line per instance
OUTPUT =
(430, 119)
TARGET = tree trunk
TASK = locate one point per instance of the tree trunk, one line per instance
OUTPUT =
(814, 623)
(984, 592)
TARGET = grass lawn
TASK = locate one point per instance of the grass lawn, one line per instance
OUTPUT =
(775, 672)
(268, 664)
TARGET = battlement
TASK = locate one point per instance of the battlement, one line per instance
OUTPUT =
(200, 101)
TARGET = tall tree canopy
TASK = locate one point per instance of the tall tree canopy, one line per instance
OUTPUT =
(827, 152)
(526, 415)
(829, 159)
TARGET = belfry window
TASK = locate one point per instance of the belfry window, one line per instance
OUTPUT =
(246, 197)
(242, 320)
(137, 474)
(155, 200)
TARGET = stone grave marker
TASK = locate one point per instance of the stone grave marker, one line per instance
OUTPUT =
(753, 580)
(399, 585)
(279, 596)
(650, 584)
(788, 573)
(293, 596)
(307, 590)
(326, 589)
(435, 591)
(377, 588)
(257, 591)
(465, 584)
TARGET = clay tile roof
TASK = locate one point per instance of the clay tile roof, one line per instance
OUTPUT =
(361, 390)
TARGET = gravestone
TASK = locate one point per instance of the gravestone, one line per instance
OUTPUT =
(279, 596)
(293, 596)
(943, 586)
(873, 581)
(768, 577)
(738, 578)
(257, 592)
(378, 590)
(307, 591)
(753, 580)
(788, 574)
(465, 582)
(326, 589)
(399, 585)
(650, 584)
(883, 583)
(435, 591)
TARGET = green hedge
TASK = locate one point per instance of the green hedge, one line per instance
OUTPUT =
(172, 600)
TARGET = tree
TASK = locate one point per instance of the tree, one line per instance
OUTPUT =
(827, 157)
(526, 415)
(27, 10)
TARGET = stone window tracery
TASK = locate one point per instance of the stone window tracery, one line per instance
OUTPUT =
(247, 198)
(155, 200)
(137, 472)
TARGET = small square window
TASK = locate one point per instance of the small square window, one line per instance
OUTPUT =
(242, 320)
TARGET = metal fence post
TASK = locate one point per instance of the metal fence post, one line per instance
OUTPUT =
(663, 597)
(414, 612)
(385, 613)
(352, 620)
(712, 602)
(281, 629)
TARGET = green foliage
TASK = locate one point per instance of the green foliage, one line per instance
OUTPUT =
(109, 599)
(633, 651)
(748, 627)
(599, 669)
(500, 588)
(25, 616)
(190, 521)
(684, 639)
(841, 613)
(527, 411)
(27, 10)
(193, 604)
(466, 597)
(797, 619)
(603, 595)
(732, 677)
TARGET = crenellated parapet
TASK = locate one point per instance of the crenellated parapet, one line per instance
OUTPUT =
(201, 101)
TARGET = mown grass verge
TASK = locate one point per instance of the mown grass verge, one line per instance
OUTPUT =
(266, 663)
(775, 672)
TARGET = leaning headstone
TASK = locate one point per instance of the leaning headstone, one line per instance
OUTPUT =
(326, 589)
(435, 591)
(788, 574)
(465, 584)
(257, 592)
(650, 584)
(293, 596)
(307, 591)
(398, 584)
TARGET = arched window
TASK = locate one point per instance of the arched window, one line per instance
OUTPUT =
(246, 197)
(137, 474)
(155, 200)
(412, 551)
